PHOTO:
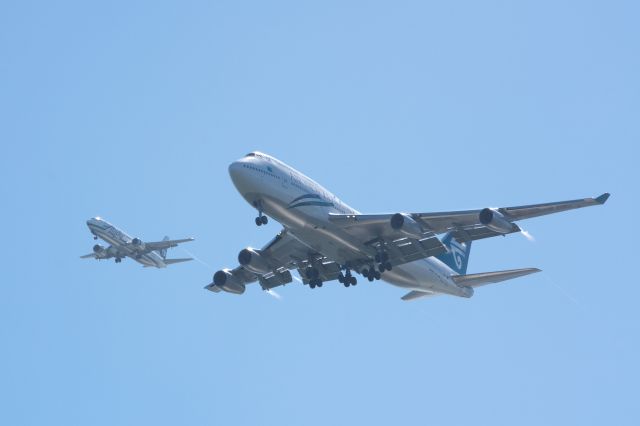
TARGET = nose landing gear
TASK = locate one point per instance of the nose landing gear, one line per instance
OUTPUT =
(261, 219)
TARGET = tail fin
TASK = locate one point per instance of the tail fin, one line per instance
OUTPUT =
(163, 252)
(457, 257)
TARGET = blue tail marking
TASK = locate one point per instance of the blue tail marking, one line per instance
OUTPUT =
(457, 258)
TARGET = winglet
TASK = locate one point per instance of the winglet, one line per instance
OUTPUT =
(603, 198)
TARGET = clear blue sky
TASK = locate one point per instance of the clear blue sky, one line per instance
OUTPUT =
(133, 111)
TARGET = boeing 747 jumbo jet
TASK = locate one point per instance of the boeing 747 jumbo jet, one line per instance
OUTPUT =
(324, 239)
(122, 245)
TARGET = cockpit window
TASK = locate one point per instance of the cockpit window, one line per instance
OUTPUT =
(251, 154)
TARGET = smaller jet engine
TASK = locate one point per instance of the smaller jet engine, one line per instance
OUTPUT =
(138, 244)
(98, 249)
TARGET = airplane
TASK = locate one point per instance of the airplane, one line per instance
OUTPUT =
(122, 245)
(324, 239)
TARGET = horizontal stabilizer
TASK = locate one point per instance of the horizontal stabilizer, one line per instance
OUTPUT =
(412, 295)
(172, 261)
(88, 256)
(484, 278)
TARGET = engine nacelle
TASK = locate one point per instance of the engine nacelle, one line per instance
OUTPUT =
(495, 221)
(138, 244)
(98, 249)
(404, 223)
(254, 261)
(225, 280)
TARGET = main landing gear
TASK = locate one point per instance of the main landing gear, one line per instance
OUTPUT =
(347, 279)
(383, 262)
(118, 260)
(313, 274)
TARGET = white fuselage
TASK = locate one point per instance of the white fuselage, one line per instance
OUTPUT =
(120, 242)
(303, 206)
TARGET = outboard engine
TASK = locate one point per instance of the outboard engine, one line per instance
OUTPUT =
(495, 221)
(225, 280)
(98, 249)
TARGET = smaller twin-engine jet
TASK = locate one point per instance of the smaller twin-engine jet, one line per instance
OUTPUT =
(324, 239)
(122, 245)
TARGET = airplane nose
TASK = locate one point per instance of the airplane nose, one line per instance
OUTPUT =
(240, 176)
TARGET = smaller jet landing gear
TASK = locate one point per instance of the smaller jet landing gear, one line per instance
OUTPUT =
(261, 219)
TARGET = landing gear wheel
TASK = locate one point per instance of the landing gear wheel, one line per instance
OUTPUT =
(370, 278)
(346, 284)
(319, 284)
(352, 280)
(264, 220)
(365, 272)
(312, 284)
(381, 267)
(258, 221)
(388, 266)
(377, 275)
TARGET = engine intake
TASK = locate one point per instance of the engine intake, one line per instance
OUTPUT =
(254, 261)
(228, 282)
(495, 221)
(405, 224)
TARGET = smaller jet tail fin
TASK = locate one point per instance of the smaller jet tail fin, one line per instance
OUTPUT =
(457, 255)
(163, 252)
(172, 261)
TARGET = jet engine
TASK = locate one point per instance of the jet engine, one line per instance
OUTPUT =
(254, 261)
(138, 244)
(404, 223)
(495, 221)
(229, 283)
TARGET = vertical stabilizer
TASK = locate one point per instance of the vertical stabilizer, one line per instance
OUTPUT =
(163, 252)
(457, 258)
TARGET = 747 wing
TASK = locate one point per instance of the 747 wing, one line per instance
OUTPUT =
(465, 225)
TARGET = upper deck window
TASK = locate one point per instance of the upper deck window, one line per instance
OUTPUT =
(251, 154)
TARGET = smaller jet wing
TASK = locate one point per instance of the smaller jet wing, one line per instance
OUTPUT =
(172, 261)
(159, 245)
(88, 256)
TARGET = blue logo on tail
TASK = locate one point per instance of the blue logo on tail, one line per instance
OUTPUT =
(457, 258)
